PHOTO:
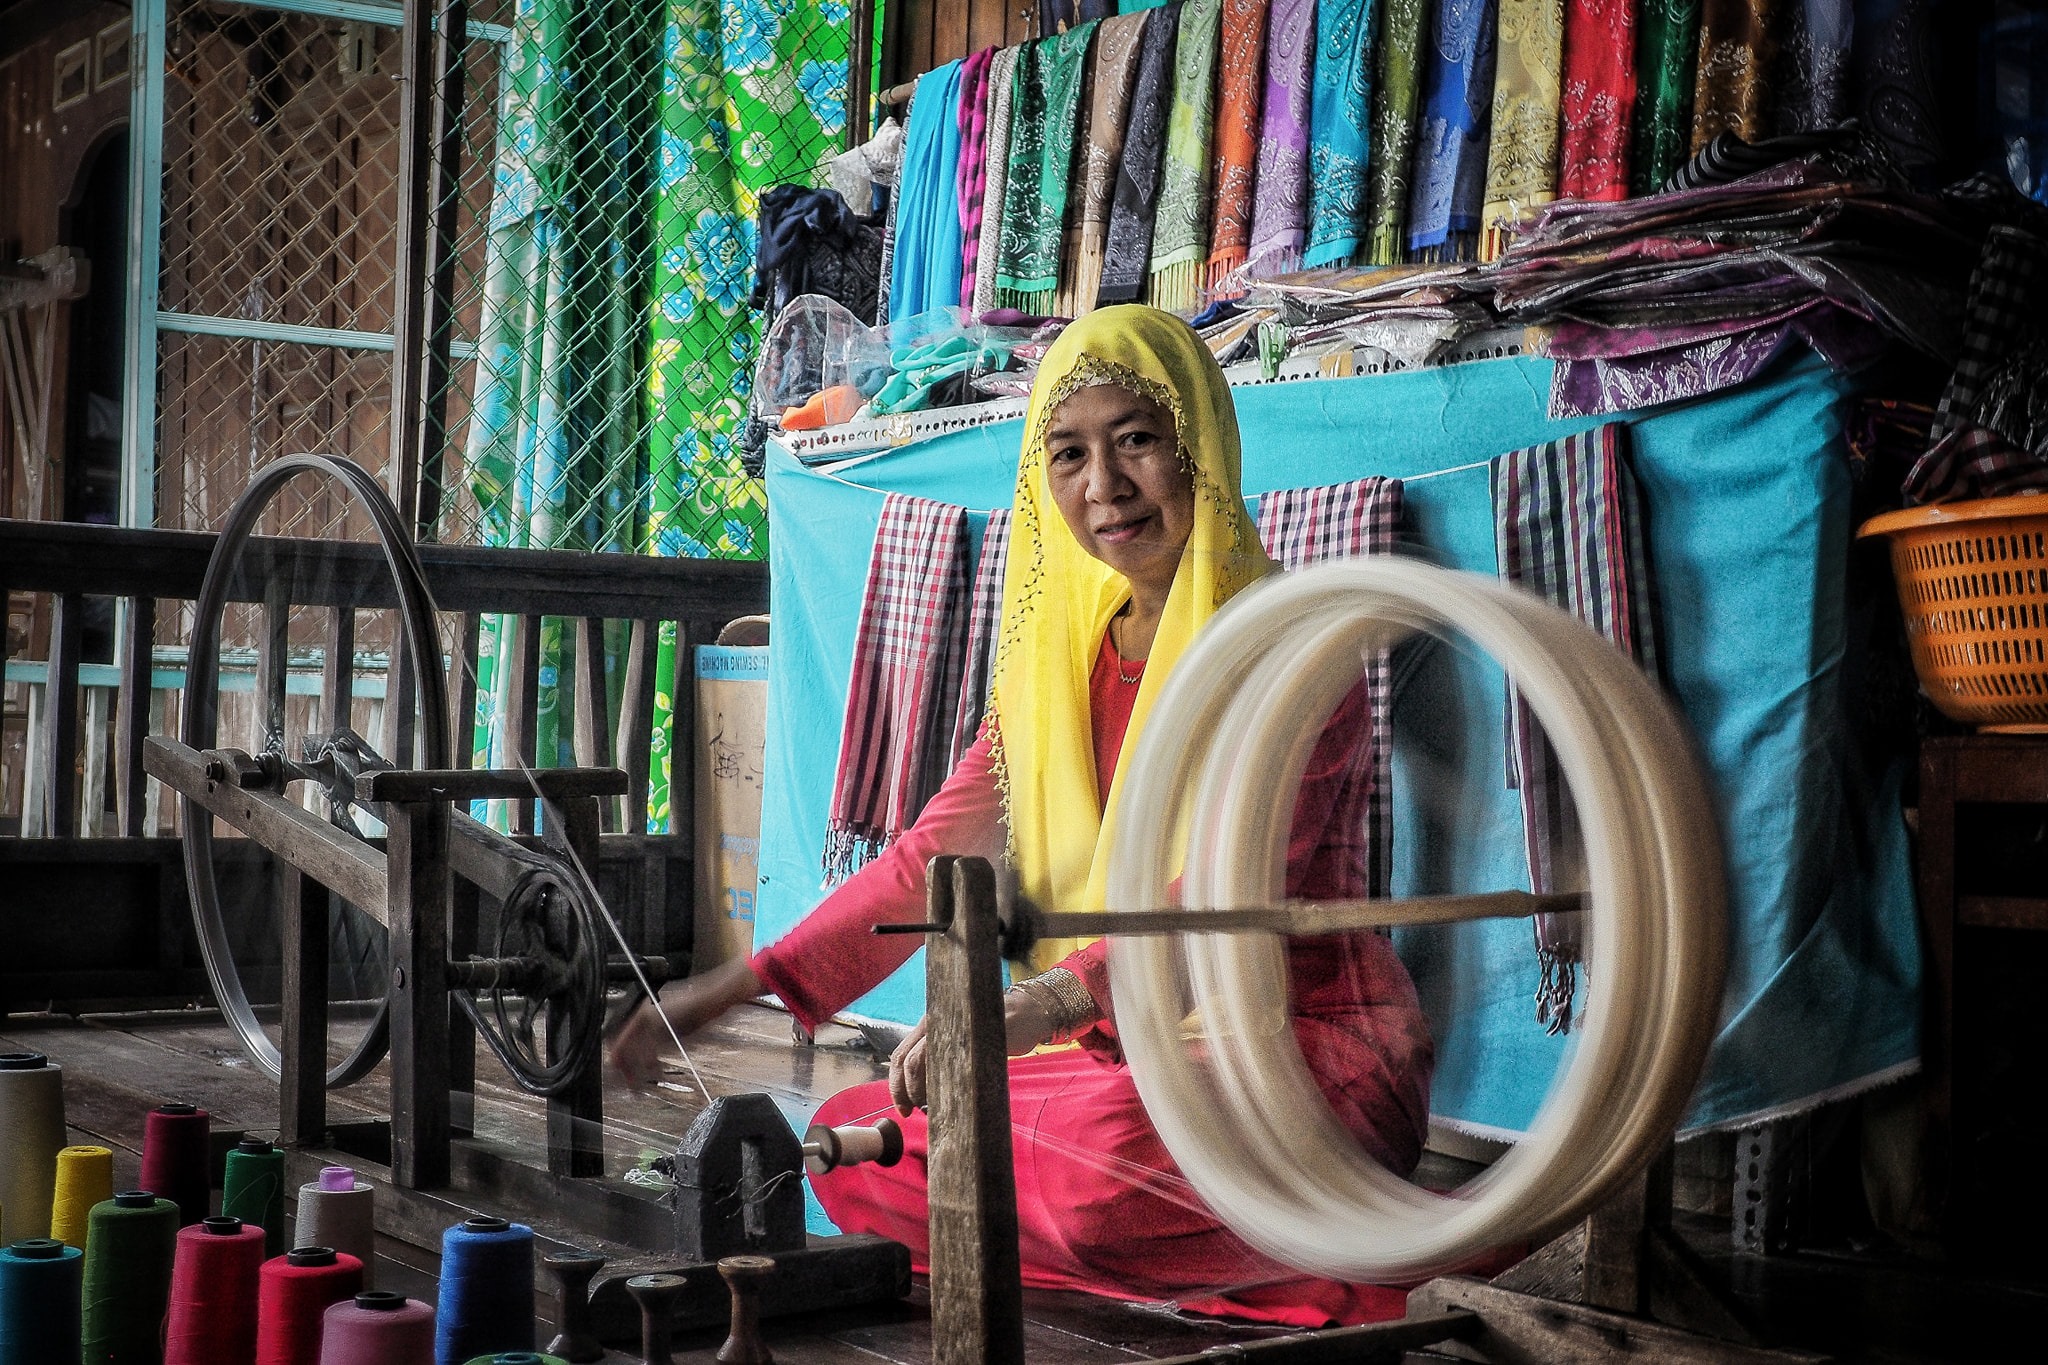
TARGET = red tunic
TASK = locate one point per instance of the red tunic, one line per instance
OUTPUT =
(1100, 1204)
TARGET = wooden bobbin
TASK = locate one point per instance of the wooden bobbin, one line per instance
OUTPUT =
(572, 1271)
(656, 1295)
(744, 1275)
(827, 1149)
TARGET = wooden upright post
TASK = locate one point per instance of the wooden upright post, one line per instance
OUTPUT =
(576, 1116)
(977, 1290)
(420, 885)
(302, 912)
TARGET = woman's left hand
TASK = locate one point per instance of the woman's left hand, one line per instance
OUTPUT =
(1025, 1026)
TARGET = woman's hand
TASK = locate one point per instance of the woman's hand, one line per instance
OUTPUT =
(690, 1005)
(1025, 1026)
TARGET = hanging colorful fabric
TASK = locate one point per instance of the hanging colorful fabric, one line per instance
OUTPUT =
(1236, 141)
(1450, 151)
(1280, 186)
(1738, 39)
(1113, 76)
(1393, 123)
(1599, 98)
(1813, 66)
(1128, 250)
(972, 180)
(925, 272)
(1002, 85)
(1340, 131)
(1521, 163)
(1180, 228)
(1893, 55)
(1667, 55)
(1044, 104)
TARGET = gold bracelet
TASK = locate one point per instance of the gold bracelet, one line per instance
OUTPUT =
(1066, 1002)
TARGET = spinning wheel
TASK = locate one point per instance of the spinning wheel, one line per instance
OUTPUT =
(549, 960)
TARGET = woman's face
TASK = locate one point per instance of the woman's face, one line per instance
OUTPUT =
(1112, 460)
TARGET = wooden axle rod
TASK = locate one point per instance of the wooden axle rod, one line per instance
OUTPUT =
(1288, 917)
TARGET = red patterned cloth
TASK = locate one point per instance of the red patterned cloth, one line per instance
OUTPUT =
(1597, 99)
(972, 175)
(1241, 80)
(897, 735)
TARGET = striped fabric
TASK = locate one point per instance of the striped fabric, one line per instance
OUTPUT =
(1302, 526)
(906, 674)
(985, 618)
(1568, 526)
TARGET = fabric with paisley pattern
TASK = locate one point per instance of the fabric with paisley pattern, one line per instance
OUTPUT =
(1237, 135)
(1340, 131)
(1521, 163)
(1045, 102)
(1598, 97)
(1667, 48)
(1280, 181)
(1112, 77)
(1394, 102)
(1738, 42)
(1128, 250)
(1180, 227)
(1450, 149)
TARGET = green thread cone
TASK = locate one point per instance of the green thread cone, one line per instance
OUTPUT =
(129, 1244)
(253, 1191)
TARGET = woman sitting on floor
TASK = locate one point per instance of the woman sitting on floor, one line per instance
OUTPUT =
(1129, 531)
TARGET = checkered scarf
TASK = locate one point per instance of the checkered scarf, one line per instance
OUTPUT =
(906, 672)
(984, 628)
(1302, 526)
(1568, 526)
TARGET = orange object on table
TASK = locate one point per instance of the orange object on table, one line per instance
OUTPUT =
(825, 408)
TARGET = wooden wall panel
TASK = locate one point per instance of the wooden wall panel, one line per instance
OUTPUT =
(929, 33)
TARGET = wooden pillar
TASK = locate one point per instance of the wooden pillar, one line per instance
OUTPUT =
(138, 633)
(416, 850)
(302, 915)
(60, 717)
(576, 1116)
(977, 1292)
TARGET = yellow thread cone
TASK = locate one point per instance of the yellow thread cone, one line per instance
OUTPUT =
(85, 1176)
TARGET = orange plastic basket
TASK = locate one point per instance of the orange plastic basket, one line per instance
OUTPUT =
(1973, 582)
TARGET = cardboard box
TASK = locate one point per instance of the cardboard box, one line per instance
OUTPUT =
(732, 712)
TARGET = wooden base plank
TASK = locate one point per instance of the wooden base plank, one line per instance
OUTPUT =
(1523, 1330)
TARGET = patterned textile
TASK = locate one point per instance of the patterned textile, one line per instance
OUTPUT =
(1056, 15)
(1113, 75)
(2001, 379)
(1893, 54)
(1044, 107)
(1971, 462)
(1667, 56)
(1180, 228)
(1340, 131)
(1568, 526)
(1303, 526)
(1599, 98)
(1002, 85)
(1394, 99)
(1738, 44)
(1236, 141)
(1521, 164)
(1128, 252)
(973, 176)
(925, 272)
(1280, 186)
(1812, 80)
(1450, 151)
(984, 626)
(899, 710)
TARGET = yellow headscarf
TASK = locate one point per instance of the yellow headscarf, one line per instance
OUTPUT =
(1058, 600)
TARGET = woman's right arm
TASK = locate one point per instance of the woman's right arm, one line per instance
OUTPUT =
(831, 958)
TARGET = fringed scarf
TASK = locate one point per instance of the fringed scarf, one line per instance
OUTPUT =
(899, 706)
(1393, 124)
(1280, 186)
(1112, 75)
(1001, 84)
(1128, 250)
(1042, 118)
(1303, 526)
(1180, 228)
(984, 625)
(1236, 141)
(1450, 151)
(1521, 162)
(925, 269)
(973, 179)
(1340, 131)
(1598, 99)
(1568, 526)
(1738, 42)
(1667, 55)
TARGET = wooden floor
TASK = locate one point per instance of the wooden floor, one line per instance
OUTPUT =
(119, 1066)
(1860, 1307)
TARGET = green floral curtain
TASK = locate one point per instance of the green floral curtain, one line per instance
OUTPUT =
(753, 94)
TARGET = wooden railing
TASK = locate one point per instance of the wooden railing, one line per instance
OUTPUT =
(89, 719)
